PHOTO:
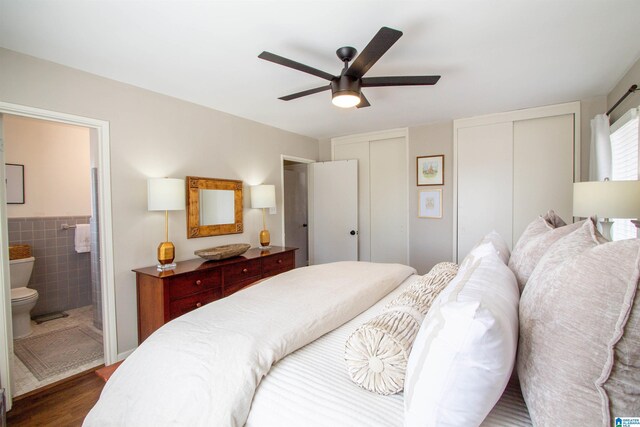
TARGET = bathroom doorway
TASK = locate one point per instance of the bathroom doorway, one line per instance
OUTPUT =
(65, 222)
(53, 251)
(295, 207)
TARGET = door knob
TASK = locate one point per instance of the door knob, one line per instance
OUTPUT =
(352, 232)
(304, 225)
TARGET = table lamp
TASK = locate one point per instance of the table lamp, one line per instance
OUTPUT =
(607, 199)
(166, 194)
(263, 197)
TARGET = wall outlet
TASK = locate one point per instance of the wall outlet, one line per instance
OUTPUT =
(273, 210)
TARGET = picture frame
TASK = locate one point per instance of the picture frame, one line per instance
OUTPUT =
(14, 180)
(430, 170)
(430, 203)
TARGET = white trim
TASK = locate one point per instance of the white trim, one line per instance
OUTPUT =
(106, 233)
(284, 157)
(6, 332)
(376, 136)
(513, 116)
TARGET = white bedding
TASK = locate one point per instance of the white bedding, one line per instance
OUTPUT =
(203, 368)
(311, 387)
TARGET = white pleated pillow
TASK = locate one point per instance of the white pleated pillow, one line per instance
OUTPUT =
(376, 353)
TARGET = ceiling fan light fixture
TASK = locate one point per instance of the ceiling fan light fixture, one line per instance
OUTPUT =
(345, 99)
(345, 92)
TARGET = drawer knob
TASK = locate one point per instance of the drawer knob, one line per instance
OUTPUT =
(279, 261)
(198, 304)
(198, 282)
(244, 270)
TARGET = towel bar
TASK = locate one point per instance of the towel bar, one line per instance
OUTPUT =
(67, 226)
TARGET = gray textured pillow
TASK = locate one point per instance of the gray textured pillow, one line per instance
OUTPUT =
(532, 245)
(579, 349)
(376, 353)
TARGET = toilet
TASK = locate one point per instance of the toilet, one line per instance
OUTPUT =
(23, 299)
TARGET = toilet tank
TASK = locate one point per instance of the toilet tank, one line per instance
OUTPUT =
(20, 271)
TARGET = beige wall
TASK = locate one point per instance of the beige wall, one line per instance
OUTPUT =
(56, 163)
(154, 135)
(589, 108)
(431, 240)
(630, 78)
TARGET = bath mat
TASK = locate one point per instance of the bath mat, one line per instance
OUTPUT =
(58, 351)
(49, 316)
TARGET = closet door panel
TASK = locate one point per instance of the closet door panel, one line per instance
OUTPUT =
(542, 169)
(485, 183)
(359, 151)
(388, 158)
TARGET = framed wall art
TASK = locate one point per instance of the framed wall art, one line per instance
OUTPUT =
(430, 203)
(430, 170)
(14, 175)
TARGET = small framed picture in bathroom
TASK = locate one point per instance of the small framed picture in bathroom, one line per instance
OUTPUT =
(15, 183)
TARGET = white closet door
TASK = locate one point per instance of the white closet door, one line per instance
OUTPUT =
(542, 169)
(485, 183)
(359, 151)
(388, 162)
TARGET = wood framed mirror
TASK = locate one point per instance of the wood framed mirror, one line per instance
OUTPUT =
(214, 207)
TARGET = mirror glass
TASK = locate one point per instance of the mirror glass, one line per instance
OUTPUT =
(216, 207)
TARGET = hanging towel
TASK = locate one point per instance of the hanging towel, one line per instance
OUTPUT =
(83, 238)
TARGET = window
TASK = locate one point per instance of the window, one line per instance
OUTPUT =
(624, 165)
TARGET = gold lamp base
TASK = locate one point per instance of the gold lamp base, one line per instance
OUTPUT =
(166, 255)
(265, 239)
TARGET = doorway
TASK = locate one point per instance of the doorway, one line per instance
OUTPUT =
(98, 132)
(294, 204)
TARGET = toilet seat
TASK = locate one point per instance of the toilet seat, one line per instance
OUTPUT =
(23, 294)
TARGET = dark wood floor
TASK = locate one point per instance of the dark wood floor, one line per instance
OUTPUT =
(62, 405)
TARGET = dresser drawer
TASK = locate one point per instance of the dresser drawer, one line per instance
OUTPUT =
(184, 305)
(279, 263)
(232, 288)
(241, 271)
(187, 284)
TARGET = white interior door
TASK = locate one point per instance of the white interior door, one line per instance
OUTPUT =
(295, 211)
(485, 183)
(542, 169)
(333, 211)
(360, 151)
(388, 198)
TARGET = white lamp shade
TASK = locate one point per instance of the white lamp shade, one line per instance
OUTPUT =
(607, 199)
(165, 194)
(263, 196)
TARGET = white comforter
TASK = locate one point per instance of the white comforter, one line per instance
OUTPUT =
(203, 368)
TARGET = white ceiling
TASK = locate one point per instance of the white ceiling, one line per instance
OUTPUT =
(493, 55)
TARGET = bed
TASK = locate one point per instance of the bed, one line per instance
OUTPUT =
(274, 354)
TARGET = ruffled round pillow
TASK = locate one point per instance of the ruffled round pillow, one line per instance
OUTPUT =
(376, 353)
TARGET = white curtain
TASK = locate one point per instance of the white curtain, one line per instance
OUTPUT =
(600, 156)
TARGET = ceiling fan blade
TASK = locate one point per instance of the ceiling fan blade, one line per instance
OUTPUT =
(399, 81)
(381, 42)
(268, 56)
(305, 93)
(364, 102)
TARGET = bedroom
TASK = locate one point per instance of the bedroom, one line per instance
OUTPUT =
(158, 135)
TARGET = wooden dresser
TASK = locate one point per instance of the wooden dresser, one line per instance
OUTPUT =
(165, 295)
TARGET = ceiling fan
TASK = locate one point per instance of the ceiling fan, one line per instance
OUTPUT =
(346, 87)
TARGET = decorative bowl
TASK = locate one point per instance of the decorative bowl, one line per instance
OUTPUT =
(222, 252)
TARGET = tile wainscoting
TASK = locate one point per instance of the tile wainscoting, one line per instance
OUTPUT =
(61, 276)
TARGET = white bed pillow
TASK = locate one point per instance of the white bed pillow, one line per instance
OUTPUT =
(500, 246)
(464, 353)
(376, 353)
